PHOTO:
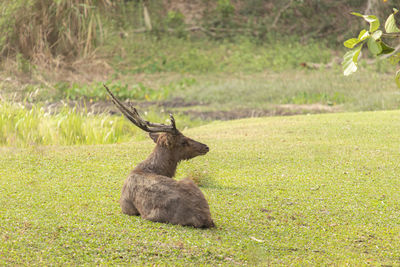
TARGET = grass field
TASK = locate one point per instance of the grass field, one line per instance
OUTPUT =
(365, 90)
(301, 190)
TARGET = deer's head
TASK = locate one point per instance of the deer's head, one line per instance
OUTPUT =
(166, 137)
(181, 146)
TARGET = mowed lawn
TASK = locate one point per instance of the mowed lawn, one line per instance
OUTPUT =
(301, 190)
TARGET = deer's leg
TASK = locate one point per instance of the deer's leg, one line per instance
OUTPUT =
(128, 207)
(126, 202)
(156, 215)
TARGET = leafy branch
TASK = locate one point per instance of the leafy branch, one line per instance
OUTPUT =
(373, 39)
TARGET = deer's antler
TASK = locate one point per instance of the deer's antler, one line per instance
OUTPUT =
(133, 115)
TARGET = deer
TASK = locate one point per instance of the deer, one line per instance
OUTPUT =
(149, 190)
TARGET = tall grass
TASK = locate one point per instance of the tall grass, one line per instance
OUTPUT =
(20, 126)
(50, 29)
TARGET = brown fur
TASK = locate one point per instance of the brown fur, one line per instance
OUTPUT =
(150, 191)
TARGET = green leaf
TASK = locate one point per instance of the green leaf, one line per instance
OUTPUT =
(374, 47)
(364, 34)
(371, 19)
(397, 78)
(357, 14)
(390, 24)
(373, 23)
(385, 48)
(350, 60)
(394, 59)
(351, 42)
(376, 35)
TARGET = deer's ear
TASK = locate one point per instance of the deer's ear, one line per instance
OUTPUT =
(166, 140)
(154, 136)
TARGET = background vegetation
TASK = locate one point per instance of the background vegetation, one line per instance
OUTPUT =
(63, 30)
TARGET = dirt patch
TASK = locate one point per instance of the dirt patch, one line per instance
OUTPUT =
(279, 110)
(309, 108)
(170, 106)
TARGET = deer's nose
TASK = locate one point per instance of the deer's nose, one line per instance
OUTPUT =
(207, 148)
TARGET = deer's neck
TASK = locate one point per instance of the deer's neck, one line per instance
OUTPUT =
(161, 161)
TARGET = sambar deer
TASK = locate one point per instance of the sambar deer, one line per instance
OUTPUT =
(150, 191)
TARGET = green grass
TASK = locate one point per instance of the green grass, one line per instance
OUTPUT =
(95, 91)
(148, 54)
(302, 190)
(365, 90)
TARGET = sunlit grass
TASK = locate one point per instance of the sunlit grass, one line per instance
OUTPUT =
(20, 126)
(301, 190)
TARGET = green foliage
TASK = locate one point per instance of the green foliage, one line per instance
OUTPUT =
(20, 126)
(374, 46)
(350, 60)
(390, 24)
(147, 55)
(175, 19)
(371, 37)
(220, 21)
(24, 65)
(397, 78)
(95, 91)
(371, 19)
(298, 191)
(374, 41)
(63, 30)
(225, 8)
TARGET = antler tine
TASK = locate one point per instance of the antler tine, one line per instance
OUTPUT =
(134, 117)
(172, 119)
(128, 114)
